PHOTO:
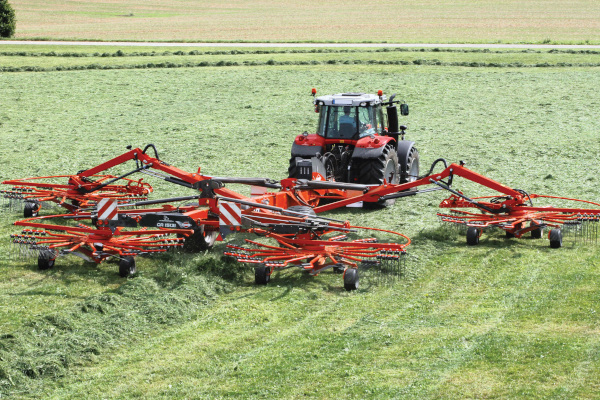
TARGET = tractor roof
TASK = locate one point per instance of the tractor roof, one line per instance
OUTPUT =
(349, 99)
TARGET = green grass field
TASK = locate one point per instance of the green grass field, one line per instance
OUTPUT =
(506, 319)
(424, 21)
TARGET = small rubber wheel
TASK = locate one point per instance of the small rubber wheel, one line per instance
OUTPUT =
(45, 260)
(339, 268)
(473, 236)
(555, 237)
(351, 279)
(537, 233)
(127, 266)
(261, 275)
(200, 240)
(31, 209)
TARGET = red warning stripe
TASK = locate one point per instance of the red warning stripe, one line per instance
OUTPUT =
(107, 209)
(230, 214)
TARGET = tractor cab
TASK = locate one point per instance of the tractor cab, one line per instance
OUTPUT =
(350, 116)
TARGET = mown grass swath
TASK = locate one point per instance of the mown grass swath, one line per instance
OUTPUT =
(508, 318)
(62, 60)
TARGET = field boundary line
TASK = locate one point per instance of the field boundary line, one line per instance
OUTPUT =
(308, 45)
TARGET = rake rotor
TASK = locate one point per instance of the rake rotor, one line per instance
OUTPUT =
(49, 241)
(34, 193)
(314, 254)
(518, 217)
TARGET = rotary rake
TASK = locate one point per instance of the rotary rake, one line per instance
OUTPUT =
(514, 212)
(290, 233)
(315, 254)
(93, 244)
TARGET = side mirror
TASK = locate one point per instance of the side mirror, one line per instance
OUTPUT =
(403, 109)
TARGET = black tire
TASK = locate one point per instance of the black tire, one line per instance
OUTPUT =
(127, 266)
(45, 260)
(339, 268)
(517, 227)
(555, 238)
(351, 279)
(200, 240)
(261, 275)
(329, 163)
(537, 233)
(473, 236)
(410, 171)
(375, 171)
(31, 209)
(301, 209)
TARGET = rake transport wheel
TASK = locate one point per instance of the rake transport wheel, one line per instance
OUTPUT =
(537, 233)
(375, 171)
(510, 235)
(200, 240)
(473, 236)
(31, 209)
(351, 279)
(555, 237)
(45, 260)
(127, 266)
(261, 275)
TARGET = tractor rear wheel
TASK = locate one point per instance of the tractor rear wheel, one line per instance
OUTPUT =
(351, 279)
(127, 266)
(473, 236)
(555, 238)
(375, 171)
(261, 275)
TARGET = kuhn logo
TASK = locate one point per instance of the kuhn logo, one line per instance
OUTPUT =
(166, 223)
(185, 225)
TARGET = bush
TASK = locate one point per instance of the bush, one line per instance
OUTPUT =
(8, 21)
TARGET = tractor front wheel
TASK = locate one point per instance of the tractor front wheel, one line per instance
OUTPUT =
(410, 171)
(377, 170)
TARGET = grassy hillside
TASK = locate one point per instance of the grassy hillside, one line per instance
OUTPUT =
(424, 21)
(509, 318)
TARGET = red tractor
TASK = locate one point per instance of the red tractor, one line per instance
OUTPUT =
(356, 142)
